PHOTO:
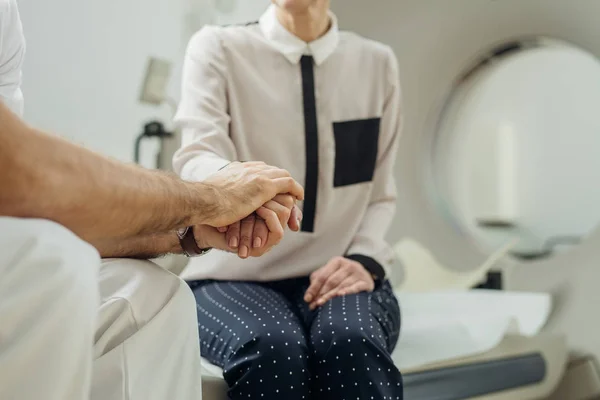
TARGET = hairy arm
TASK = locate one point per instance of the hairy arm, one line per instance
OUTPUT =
(43, 176)
(158, 244)
(141, 247)
(119, 207)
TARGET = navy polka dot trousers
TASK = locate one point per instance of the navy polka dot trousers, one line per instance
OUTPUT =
(271, 346)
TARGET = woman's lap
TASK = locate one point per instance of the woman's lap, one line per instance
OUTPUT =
(265, 331)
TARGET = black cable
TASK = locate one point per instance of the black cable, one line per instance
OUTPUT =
(547, 248)
(136, 150)
(554, 241)
(151, 129)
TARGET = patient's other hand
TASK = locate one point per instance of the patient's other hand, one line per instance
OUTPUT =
(252, 236)
(338, 277)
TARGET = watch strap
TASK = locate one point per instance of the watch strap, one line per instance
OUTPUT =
(188, 243)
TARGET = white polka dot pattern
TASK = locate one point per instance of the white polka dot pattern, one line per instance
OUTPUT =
(271, 346)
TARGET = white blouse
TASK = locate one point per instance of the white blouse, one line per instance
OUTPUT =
(328, 111)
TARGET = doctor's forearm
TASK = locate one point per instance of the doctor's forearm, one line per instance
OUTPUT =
(140, 247)
(46, 177)
(158, 244)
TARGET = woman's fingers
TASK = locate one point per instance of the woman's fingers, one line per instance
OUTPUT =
(272, 221)
(283, 213)
(233, 235)
(261, 233)
(295, 220)
(246, 231)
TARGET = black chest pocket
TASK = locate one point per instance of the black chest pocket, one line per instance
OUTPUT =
(356, 146)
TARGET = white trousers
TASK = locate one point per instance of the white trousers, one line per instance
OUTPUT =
(75, 328)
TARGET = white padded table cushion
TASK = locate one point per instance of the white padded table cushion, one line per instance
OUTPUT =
(443, 326)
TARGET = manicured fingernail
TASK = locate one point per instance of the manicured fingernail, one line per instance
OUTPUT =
(257, 242)
(233, 242)
(244, 252)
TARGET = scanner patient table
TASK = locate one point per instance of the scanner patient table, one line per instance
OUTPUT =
(466, 345)
(519, 368)
(516, 366)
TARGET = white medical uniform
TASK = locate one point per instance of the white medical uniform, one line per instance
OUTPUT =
(73, 327)
(12, 52)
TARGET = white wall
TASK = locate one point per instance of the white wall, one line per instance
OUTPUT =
(244, 11)
(85, 63)
(86, 60)
(433, 40)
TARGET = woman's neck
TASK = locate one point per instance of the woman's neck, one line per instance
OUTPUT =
(307, 26)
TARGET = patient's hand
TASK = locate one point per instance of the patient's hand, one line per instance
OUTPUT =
(272, 217)
(339, 277)
(253, 237)
(209, 237)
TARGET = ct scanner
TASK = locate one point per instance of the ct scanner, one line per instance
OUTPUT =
(474, 73)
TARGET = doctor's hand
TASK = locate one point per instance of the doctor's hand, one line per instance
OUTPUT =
(252, 235)
(339, 277)
(241, 188)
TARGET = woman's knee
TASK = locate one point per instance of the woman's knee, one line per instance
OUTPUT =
(348, 339)
(277, 344)
(271, 350)
(335, 340)
(271, 365)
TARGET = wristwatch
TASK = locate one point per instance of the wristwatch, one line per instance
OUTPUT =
(188, 243)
